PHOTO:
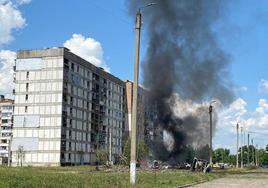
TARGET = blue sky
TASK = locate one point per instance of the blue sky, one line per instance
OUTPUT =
(242, 33)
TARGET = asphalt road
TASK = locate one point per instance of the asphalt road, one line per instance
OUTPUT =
(238, 181)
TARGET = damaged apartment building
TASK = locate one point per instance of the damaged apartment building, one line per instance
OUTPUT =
(6, 123)
(65, 109)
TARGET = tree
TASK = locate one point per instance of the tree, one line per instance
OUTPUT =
(142, 150)
(20, 155)
(263, 156)
(221, 155)
(102, 156)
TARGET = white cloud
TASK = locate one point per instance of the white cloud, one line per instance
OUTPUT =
(263, 106)
(20, 2)
(253, 121)
(6, 71)
(240, 89)
(263, 86)
(88, 48)
(10, 19)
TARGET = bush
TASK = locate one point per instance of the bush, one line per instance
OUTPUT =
(102, 157)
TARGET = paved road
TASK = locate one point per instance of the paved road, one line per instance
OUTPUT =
(238, 181)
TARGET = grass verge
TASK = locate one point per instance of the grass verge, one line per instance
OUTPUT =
(66, 177)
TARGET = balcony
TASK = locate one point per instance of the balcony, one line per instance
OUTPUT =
(4, 138)
(4, 144)
(6, 131)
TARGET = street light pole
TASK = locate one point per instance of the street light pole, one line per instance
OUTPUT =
(135, 96)
(134, 103)
(256, 155)
(248, 149)
(210, 131)
(252, 143)
(241, 147)
(237, 143)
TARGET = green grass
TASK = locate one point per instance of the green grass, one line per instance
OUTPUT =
(86, 176)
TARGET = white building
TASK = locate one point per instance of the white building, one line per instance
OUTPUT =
(6, 121)
(65, 108)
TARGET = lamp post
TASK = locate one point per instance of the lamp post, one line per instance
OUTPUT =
(9, 150)
(241, 147)
(210, 131)
(237, 143)
(135, 96)
(253, 161)
(248, 150)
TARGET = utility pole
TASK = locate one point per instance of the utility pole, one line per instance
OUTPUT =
(252, 152)
(134, 102)
(210, 131)
(241, 147)
(110, 148)
(9, 152)
(256, 155)
(248, 149)
(237, 143)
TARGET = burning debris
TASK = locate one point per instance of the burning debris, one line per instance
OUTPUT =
(183, 56)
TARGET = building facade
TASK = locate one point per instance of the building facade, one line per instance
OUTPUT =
(6, 123)
(65, 109)
(141, 113)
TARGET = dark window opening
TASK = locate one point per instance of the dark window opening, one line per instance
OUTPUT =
(27, 86)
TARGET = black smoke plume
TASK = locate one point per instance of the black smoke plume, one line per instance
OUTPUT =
(183, 56)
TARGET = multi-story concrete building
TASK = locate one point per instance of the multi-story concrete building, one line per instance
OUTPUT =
(65, 109)
(141, 114)
(146, 117)
(6, 123)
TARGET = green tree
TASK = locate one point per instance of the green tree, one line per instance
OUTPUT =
(142, 151)
(263, 156)
(221, 155)
(247, 153)
(102, 156)
(231, 160)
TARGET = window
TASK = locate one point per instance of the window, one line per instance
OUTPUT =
(72, 67)
(26, 109)
(71, 111)
(27, 75)
(26, 97)
(4, 121)
(62, 155)
(27, 86)
(71, 100)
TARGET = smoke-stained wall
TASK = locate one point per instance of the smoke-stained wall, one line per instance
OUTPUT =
(183, 57)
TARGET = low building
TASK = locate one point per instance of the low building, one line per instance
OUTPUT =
(6, 123)
(65, 109)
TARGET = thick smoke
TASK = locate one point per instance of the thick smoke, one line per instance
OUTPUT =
(183, 57)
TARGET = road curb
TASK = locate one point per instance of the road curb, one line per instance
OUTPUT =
(192, 184)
